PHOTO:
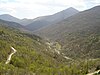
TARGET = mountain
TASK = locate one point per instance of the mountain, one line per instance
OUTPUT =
(37, 56)
(8, 17)
(31, 56)
(11, 24)
(34, 24)
(34, 55)
(51, 19)
(79, 34)
(25, 21)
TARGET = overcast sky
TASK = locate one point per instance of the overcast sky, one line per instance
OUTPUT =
(34, 8)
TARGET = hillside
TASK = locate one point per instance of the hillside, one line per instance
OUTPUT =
(44, 21)
(11, 24)
(8, 17)
(79, 35)
(35, 56)
(31, 56)
(25, 21)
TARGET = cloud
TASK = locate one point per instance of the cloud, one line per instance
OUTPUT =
(91, 3)
(62, 3)
(34, 8)
(22, 8)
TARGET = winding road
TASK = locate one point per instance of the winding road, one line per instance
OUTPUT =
(9, 57)
(93, 72)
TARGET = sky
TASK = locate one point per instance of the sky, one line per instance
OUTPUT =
(35, 8)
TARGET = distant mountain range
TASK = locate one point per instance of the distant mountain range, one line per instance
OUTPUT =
(51, 19)
(39, 22)
(11, 24)
(79, 34)
(80, 21)
(10, 18)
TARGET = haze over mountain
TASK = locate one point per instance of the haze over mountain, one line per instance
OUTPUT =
(78, 34)
(10, 18)
(76, 22)
(51, 19)
(25, 21)
(11, 24)
(39, 22)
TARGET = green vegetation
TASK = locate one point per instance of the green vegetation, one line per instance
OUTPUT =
(82, 45)
(79, 35)
(32, 58)
(29, 56)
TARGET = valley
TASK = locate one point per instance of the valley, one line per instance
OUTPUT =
(51, 45)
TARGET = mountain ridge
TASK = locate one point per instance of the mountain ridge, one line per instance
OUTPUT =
(78, 34)
(8, 17)
(72, 19)
(51, 19)
(11, 24)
